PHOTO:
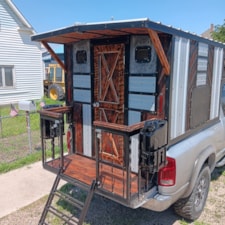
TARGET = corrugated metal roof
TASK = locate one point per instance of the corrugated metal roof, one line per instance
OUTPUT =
(109, 29)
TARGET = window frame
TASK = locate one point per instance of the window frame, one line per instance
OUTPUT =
(3, 76)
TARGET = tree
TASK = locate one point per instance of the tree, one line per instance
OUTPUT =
(219, 33)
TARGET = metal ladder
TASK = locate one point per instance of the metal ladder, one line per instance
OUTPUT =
(66, 219)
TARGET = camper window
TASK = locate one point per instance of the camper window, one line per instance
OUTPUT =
(81, 57)
(143, 54)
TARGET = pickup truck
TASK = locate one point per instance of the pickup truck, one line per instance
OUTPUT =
(144, 105)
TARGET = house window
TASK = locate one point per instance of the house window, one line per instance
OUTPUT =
(6, 76)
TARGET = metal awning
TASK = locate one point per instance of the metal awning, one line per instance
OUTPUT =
(79, 32)
(112, 28)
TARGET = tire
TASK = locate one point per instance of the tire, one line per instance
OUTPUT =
(55, 92)
(191, 207)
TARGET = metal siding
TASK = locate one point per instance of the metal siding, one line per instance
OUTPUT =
(87, 130)
(134, 117)
(144, 68)
(134, 153)
(217, 74)
(18, 50)
(142, 84)
(82, 95)
(203, 49)
(142, 102)
(81, 81)
(179, 86)
(86, 67)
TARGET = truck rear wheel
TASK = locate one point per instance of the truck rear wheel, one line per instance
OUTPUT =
(191, 208)
(56, 92)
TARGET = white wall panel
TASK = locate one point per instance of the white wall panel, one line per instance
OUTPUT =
(87, 130)
(17, 49)
(217, 74)
(179, 87)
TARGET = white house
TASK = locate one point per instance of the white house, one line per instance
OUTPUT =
(21, 65)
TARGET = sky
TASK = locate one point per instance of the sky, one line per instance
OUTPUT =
(195, 16)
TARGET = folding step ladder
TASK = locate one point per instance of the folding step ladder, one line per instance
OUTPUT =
(76, 203)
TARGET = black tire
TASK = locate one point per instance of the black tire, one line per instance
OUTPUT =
(56, 92)
(191, 208)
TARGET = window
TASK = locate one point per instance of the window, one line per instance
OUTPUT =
(143, 54)
(6, 76)
(81, 57)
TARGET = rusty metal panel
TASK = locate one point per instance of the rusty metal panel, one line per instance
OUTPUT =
(179, 87)
(200, 104)
(217, 75)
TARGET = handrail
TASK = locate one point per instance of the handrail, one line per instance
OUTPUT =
(56, 112)
(118, 127)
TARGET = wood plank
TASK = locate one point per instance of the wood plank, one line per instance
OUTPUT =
(159, 50)
(83, 169)
(54, 55)
(78, 125)
(119, 127)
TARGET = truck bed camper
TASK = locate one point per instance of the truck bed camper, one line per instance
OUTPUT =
(144, 105)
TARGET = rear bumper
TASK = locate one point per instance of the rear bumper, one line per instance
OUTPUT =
(158, 203)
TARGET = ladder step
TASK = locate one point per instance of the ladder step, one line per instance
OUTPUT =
(70, 220)
(70, 199)
(75, 202)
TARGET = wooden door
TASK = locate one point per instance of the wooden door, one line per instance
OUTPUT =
(109, 97)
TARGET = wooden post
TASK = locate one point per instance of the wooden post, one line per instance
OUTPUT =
(159, 50)
(54, 55)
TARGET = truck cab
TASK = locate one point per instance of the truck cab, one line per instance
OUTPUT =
(144, 106)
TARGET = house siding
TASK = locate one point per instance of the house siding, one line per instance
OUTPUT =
(17, 49)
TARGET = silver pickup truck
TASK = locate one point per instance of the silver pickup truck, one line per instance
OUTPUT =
(193, 160)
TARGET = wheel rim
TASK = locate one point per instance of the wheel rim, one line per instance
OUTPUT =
(202, 190)
(53, 94)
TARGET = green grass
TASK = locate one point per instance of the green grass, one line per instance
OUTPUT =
(8, 124)
(29, 159)
(12, 126)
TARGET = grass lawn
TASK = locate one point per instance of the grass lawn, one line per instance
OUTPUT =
(11, 126)
(14, 147)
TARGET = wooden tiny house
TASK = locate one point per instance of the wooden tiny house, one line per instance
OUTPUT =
(133, 89)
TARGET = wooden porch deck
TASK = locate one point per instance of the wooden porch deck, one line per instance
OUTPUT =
(83, 169)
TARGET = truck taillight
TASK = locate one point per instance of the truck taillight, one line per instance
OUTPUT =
(167, 174)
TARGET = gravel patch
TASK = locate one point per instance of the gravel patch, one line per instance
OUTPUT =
(105, 212)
